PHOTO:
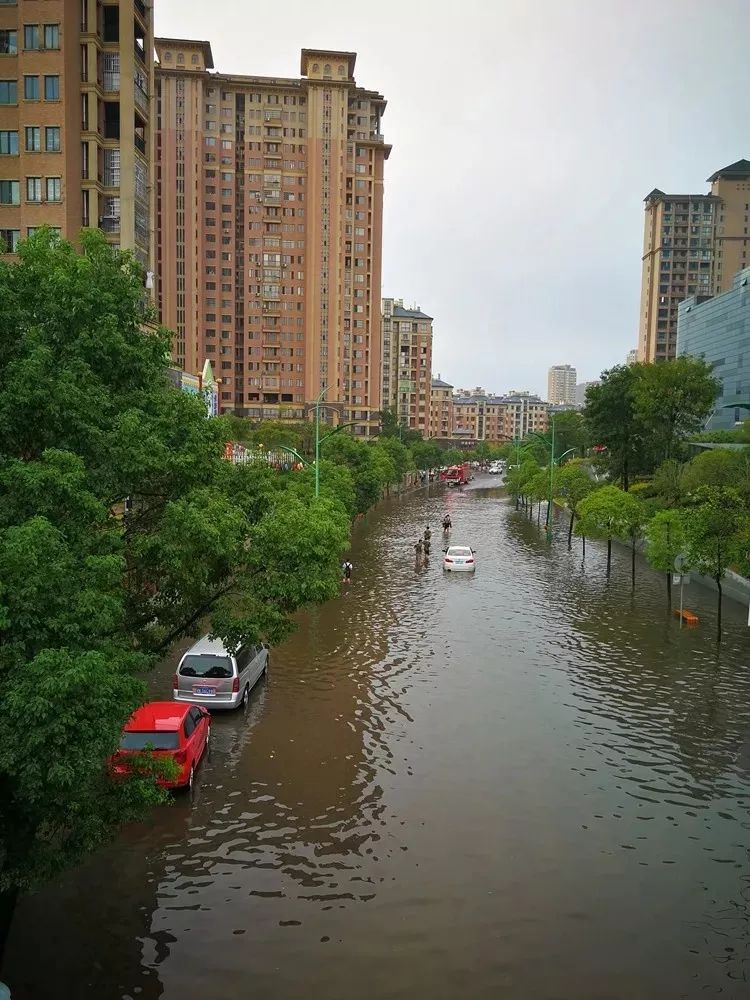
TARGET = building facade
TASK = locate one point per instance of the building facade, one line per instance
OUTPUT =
(524, 413)
(483, 416)
(407, 364)
(269, 202)
(561, 384)
(76, 82)
(718, 330)
(693, 244)
(441, 409)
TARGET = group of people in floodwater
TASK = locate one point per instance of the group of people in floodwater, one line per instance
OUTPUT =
(424, 544)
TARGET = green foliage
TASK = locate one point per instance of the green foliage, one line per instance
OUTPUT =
(669, 482)
(718, 467)
(715, 529)
(452, 456)
(571, 431)
(90, 595)
(363, 462)
(390, 427)
(572, 484)
(665, 539)
(674, 399)
(641, 413)
(600, 513)
(427, 455)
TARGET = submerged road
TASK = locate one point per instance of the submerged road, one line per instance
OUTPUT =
(524, 784)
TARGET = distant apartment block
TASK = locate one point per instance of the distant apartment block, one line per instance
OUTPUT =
(407, 364)
(483, 416)
(269, 202)
(441, 409)
(76, 82)
(632, 356)
(693, 244)
(561, 384)
(718, 330)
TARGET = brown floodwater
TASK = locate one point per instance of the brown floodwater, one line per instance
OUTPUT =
(527, 784)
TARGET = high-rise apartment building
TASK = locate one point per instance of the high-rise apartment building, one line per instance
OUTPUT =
(561, 384)
(580, 395)
(441, 409)
(269, 202)
(407, 364)
(693, 244)
(75, 139)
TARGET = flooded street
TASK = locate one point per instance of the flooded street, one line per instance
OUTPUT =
(524, 783)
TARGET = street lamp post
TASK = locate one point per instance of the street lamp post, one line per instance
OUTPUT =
(317, 440)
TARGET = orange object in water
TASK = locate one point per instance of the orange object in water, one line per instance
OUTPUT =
(688, 617)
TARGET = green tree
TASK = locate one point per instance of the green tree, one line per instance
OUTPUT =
(391, 427)
(600, 516)
(714, 467)
(665, 540)
(669, 482)
(452, 456)
(400, 455)
(632, 519)
(673, 400)
(614, 423)
(572, 484)
(519, 477)
(716, 533)
(427, 455)
(537, 489)
(122, 528)
(570, 432)
(361, 460)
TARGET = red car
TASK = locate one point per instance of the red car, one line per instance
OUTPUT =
(167, 728)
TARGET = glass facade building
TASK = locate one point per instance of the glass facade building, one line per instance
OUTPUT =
(718, 330)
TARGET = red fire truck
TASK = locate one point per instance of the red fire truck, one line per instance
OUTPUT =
(456, 475)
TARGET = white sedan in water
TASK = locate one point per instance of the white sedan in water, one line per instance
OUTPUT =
(459, 559)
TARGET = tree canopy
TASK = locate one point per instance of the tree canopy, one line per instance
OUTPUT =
(122, 528)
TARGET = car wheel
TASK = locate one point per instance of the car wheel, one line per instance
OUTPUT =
(265, 666)
(191, 778)
(245, 696)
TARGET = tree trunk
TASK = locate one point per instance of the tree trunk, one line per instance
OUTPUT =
(583, 539)
(718, 609)
(8, 902)
(539, 513)
(609, 555)
(632, 562)
(570, 529)
(669, 591)
(625, 476)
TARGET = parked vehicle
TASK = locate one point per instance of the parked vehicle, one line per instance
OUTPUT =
(459, 559)
(208, 674)
(165, 729)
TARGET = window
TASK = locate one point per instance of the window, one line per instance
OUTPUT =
(31, 88)
(52, 36)
(31, 36)
(33, 139)
(8, 92)
(10, 192)
(52, 88)
(9, 237)
(52, 139)
(54, 192)
(8, 143)
(33, 189)
(8, 42)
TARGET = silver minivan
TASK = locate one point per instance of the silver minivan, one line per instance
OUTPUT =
(208, 674)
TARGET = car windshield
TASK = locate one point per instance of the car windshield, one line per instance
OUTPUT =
(152, 740)
(459, 551)
(206, 666)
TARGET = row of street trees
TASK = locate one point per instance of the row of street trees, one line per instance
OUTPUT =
(123, 529)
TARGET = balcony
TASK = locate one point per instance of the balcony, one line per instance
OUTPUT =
(110, 224)
(141, 97)
(140, 143)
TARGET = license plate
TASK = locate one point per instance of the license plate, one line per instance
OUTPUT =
(458, 562)
(209, 692)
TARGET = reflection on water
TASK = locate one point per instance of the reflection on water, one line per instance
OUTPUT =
(525, 783)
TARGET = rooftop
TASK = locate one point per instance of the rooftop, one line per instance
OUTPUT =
(739, 171)
(437, 383)
(191, 43)
(400, 313)
(351, 58)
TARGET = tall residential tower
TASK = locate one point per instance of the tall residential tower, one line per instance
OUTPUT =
(269, 200)
(407, 364)
(75, 137)
(693, 244)
(561, 384)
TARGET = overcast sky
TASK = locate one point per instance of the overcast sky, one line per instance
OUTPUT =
(525, 135)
